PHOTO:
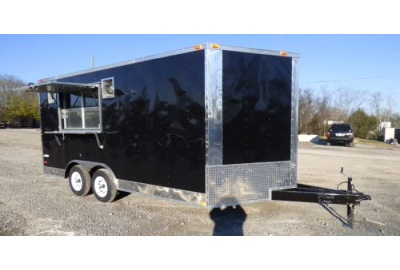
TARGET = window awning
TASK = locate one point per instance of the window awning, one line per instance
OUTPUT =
(57, 87)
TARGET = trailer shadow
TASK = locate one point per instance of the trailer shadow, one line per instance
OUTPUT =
(324, 142)
(320, 142)
(121, 195)
(228, 221)
(335, 214)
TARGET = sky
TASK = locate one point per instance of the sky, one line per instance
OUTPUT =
(366, 62)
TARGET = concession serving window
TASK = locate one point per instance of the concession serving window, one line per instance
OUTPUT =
(79, 105)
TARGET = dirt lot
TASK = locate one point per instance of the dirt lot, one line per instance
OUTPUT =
(32, 203)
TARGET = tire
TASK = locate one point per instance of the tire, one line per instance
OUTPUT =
(103, 186)
(79, 181)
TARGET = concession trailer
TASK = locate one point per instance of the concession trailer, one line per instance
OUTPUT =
(209, 125)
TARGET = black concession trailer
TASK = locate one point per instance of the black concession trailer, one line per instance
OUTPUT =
(209, 125)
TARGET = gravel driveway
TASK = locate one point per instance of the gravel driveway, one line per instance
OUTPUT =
(32, 203)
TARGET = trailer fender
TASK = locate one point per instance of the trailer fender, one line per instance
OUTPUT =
(91, 167)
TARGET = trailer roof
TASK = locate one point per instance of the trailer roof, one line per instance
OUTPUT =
(170, 53)
(56, 87)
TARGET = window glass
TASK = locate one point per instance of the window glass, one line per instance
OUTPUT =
(75, 100)
(90, 98)
(81, 109)
(341, 128)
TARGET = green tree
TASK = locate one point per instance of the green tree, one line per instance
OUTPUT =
(32, 103)
(363, 124)
(13, 106)
(16, 103)
(22, 104)
(7, 85)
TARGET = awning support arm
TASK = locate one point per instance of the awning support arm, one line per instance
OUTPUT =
(98, 141)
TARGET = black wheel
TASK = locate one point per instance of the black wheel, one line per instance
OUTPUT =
(103, 186)
(79, 181)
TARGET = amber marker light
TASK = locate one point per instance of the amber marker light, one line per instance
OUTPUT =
(198, 47)
(283, 53)
(215, 45)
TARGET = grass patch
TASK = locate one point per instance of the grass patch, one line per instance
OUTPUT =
(372, 142)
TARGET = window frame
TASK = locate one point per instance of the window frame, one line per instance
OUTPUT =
(82, 109)
(104, 93)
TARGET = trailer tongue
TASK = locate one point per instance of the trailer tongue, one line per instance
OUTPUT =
(305, 193)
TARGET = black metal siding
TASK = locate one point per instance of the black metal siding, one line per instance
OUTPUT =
(154, 129)
(256, 107)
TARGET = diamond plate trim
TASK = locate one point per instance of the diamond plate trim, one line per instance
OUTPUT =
(164, 192)
(243, 183)
(294, 120)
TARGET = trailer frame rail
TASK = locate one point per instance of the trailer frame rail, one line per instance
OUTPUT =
(324, 196)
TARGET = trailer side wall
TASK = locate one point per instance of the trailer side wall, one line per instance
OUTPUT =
(153, 129)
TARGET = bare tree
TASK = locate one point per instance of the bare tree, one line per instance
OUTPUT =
(317, 108)
(347, 101)
(395, 120)
(323, 109)
(306, 109)
(7, 84)
(376, 106)
(390, 103)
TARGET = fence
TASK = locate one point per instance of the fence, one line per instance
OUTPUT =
(20, 121)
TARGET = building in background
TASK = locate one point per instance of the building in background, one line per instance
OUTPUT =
(385, 125)
(388, 135)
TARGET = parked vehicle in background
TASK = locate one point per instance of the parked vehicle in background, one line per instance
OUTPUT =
(340, 134)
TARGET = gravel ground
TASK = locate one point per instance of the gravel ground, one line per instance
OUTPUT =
(32, 203)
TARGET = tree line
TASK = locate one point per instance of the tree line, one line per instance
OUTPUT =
(16, 103)
(319, 109)
(316, 108)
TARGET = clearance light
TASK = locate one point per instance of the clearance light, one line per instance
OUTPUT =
(215, 45)
(203, 204)
(283, 53)
(41, 80)
(198, 47)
